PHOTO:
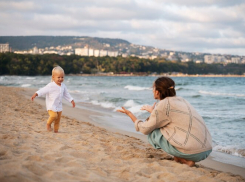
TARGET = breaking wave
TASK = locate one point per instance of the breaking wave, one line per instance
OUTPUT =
(137, 88)
(230, 150)
(221, 94)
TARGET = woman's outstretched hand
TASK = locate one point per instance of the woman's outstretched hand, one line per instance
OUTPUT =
(148, 108)
(125, 111)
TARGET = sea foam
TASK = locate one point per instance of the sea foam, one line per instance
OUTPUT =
(103, 104)
(30, 78)
(221, 94)
(26, 85)
(129, 103)
(137, 88)
(232, 150)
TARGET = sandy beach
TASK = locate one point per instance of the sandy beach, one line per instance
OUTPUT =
(83, 151)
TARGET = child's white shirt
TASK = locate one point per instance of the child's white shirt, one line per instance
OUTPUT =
(54, 94)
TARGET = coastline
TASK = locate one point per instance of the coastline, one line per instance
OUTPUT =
(85, 147)
(157, 75)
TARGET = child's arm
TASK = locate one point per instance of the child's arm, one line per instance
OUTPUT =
(41, 92)
(73, 103)
(68, 97)
(33, 97)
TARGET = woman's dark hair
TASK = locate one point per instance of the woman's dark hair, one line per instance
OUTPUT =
(165, 87)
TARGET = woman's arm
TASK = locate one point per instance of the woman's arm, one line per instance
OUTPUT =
(148, 108)
(144, 127)
(157, 119)
(127, 112)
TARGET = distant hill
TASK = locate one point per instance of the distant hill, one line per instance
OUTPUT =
(28, 42)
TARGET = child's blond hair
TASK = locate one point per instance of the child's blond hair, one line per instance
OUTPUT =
(56, 69)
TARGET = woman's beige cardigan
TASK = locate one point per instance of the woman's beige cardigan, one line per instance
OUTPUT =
(180, 124)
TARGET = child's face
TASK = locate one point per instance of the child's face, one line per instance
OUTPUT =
(58, 77)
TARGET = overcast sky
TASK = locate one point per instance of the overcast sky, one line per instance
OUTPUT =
(211, 26)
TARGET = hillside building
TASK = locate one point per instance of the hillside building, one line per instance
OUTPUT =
(96, 53)
(50, 52)
(184, 58)
(82, 51)
(171, 53)
(103, 53)
(4, 48)
(90, 52)
(23, 52)
(236, 60)
(209, 59)
(35, 50)
(112, 53)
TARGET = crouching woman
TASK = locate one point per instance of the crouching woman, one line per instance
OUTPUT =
(174, 125)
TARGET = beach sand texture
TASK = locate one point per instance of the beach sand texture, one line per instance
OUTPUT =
(80, 151)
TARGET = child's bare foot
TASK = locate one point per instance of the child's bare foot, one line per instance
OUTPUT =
(49, 127)
(184, 161)
(56, 131)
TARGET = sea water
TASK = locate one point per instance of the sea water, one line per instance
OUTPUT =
(219, 100)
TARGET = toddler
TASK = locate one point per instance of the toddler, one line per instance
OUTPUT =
(54, 92)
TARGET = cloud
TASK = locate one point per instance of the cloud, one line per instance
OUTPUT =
(202, 3)
(186, 25)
